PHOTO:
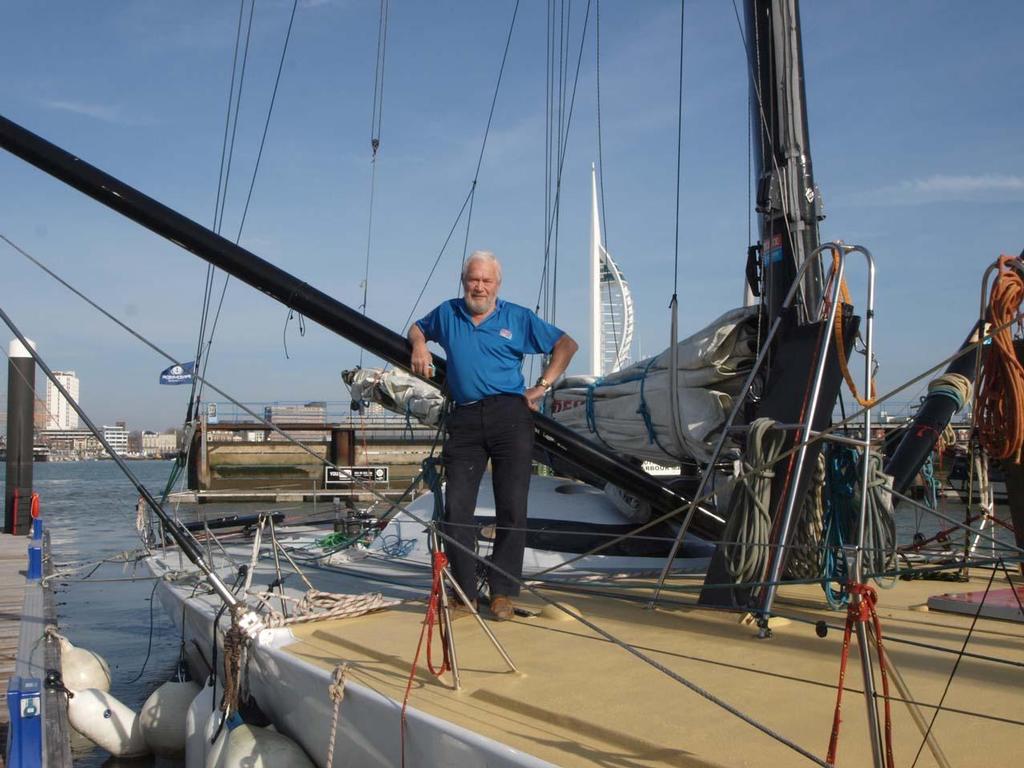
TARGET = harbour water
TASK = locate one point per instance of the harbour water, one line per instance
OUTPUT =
(89, 508)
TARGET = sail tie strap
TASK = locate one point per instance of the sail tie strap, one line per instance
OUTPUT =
(591, 416)
(862, 610)
(645, 412)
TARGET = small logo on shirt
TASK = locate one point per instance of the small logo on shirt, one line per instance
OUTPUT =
(505, 333)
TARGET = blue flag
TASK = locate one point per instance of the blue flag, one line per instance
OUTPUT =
(178, 374)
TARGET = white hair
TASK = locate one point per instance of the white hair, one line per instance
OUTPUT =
(485, 256)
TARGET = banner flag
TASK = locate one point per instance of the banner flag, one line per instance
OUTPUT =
(178, 374)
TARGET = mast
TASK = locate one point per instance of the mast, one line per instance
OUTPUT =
(596, 340)
(788, 202)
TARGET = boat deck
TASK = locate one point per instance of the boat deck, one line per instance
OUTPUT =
(581, 700)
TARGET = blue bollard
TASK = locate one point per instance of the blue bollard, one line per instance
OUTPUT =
(35, 562)
(25, 737)
(37, 529)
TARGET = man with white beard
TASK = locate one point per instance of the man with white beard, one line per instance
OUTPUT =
(485, 339)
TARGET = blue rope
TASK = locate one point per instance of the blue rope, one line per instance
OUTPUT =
(841, 478)
(930, 483)
(645, 414)
(591, 417)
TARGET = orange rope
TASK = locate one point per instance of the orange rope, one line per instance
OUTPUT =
(862, 610)
(1000, 417)
(844, 297)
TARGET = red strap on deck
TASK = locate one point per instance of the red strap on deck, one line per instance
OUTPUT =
(440, 562)
(861, 609)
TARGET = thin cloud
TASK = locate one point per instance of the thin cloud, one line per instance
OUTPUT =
(104, 112)
(945, 188)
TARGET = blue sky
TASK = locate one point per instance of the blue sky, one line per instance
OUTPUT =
(915, 114)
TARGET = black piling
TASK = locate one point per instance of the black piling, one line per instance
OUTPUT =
(21, 379)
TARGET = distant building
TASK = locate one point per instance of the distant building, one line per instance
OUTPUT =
(117, 437)
(59, 413)
(311, 413)
(154, 444)
(71, 444)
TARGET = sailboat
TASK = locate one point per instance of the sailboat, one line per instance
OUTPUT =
(610, 663)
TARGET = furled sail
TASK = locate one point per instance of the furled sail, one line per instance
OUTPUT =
(628, 410)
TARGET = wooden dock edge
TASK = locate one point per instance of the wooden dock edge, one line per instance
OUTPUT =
(36, 651)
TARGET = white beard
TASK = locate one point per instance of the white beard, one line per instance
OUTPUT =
(478, 306)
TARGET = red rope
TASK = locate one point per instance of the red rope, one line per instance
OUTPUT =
(433, 603)
(862, 610)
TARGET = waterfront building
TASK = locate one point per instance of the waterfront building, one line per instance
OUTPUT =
(59, 413)
(314, 414)
(70, 444)
(117, 437)
(154, 444)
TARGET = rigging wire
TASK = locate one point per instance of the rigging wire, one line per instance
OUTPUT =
(552, 216)
(483, 144)
(255, 173)
(619, 354)
(376, 118)
(679, 152)
(226, 155)
(472, 189)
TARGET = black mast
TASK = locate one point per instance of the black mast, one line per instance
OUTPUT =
(788, 202)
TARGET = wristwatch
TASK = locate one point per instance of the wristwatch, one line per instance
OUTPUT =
(542, 382)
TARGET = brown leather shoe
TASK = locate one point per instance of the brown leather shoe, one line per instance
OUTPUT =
(502, 608)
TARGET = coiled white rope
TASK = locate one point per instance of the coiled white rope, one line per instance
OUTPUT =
(749, 519)
(321, 606)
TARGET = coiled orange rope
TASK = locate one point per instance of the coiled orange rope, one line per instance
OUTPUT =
(844, 297)
(1000, 411)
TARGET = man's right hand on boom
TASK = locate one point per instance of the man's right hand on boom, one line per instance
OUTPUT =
(422, 362)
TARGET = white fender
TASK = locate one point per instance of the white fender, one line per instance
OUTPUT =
(201, 723)
(248, 746)
(82, 668)
(106, 721)
(163, 718)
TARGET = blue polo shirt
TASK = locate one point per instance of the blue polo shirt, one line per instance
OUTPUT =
(487, 359)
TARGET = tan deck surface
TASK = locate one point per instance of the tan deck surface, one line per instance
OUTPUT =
(580, 700)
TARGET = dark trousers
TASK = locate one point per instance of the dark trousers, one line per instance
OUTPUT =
(499, 428)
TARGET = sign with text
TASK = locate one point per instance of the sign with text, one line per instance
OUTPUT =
(335, 476)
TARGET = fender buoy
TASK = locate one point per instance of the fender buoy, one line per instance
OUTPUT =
(81, 668)
(248, 746)
(107, 722)
(163, 718)
(201, 723)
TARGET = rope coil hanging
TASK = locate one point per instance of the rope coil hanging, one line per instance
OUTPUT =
(750, 520)
(1000, 411)
(844, 297)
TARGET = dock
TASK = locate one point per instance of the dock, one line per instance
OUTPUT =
(26, 609)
